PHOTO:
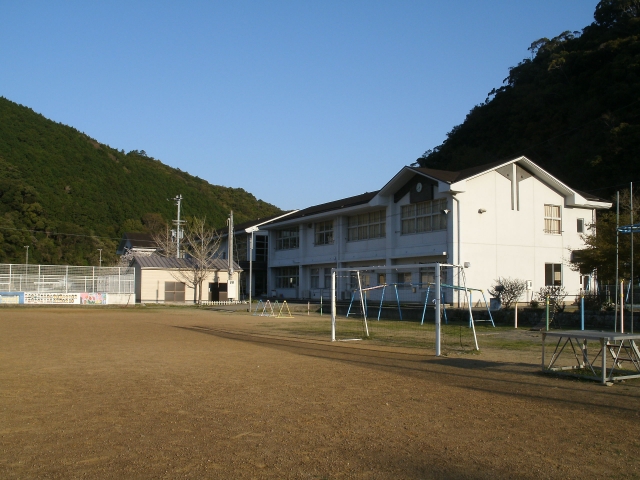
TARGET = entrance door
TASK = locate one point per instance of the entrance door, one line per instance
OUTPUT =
(217, 292)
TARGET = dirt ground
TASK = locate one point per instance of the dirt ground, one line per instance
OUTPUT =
(186, 393)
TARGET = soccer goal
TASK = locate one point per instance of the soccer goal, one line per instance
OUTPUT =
(400, 305)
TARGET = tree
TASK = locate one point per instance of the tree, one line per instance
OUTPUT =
(599, 253)
(508, 290)
(198, 250)
(201, 245)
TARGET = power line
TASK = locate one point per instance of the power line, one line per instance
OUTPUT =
(58, 233)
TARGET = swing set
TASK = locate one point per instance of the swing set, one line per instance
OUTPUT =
(360, 296)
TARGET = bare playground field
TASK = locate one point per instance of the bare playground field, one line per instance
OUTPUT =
(194, 393)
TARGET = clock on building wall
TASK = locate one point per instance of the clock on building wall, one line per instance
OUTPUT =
(421, 190)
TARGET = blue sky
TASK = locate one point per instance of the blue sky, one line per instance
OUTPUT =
(299, 103)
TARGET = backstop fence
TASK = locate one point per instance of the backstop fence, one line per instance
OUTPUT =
(67, 284)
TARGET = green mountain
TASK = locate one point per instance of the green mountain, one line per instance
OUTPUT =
(66, 195)
(573, 107)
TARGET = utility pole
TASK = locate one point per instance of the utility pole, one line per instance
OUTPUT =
(100, 250)
(27, 260)
(230, 259)
(615, 329)
(231, 284)
(178, 223)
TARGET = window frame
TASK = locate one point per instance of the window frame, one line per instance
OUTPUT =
(367, 226)
(287, 277)
(550, 220)
(290, 241)
(323, 233)
(423, 217)
(314, 277)
(551, 270)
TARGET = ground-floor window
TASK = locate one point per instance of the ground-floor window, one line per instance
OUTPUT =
(404, 277)
(327, 277)
(553, 274)
(173, 292)
(287, 277)
(315, 278)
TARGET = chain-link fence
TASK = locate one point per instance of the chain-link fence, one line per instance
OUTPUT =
(66, 279)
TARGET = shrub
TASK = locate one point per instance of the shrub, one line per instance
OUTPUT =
(508, 290)
(556, 295)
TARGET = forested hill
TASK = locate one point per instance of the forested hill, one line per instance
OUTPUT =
(65, 195)
(573, 108)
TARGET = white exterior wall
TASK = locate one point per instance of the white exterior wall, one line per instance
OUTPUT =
(500, 242)
(506, 242)
(151, 286)
(393, 249)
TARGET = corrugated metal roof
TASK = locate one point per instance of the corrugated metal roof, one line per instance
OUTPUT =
(335, 205)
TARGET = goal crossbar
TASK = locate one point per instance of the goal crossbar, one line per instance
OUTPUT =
(436, 266)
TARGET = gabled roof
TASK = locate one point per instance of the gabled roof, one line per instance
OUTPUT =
(136, 240)
(450, 176)
(330, 206)
(455, 181)
(172, 263)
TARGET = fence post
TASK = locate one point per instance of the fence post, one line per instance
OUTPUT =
(547, 305)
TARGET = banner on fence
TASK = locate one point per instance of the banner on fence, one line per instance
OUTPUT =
(50, 298)
(93, 298)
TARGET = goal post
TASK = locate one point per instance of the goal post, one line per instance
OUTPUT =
(362, 290)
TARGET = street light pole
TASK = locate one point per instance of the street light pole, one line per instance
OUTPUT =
(27, 260)
(100, 250)
(250, 230)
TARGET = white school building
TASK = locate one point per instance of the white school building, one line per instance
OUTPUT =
(507, 219)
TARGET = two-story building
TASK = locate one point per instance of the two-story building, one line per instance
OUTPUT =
(251, 252)
(506, 219)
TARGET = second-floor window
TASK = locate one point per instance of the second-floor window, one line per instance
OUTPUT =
(552, 220)
(424, 216)
(367, 225)
(324, 233)
(287, 239)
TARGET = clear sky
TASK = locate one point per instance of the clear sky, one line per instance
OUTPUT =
(297, 102)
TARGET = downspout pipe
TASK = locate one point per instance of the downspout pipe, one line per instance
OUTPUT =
(457, 260)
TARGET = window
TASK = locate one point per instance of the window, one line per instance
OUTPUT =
(552, 223)
(367, 225)
(315, 278)
(173, 292)
(427, 276)
(424, 216)
(287, 277)
(324, 233)
(241, 248)
(261, 247)
(404, 277)
(287, 239)
(580, 226)
(327, 277)
(552, 274)
(382, 279)
(365, 280)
